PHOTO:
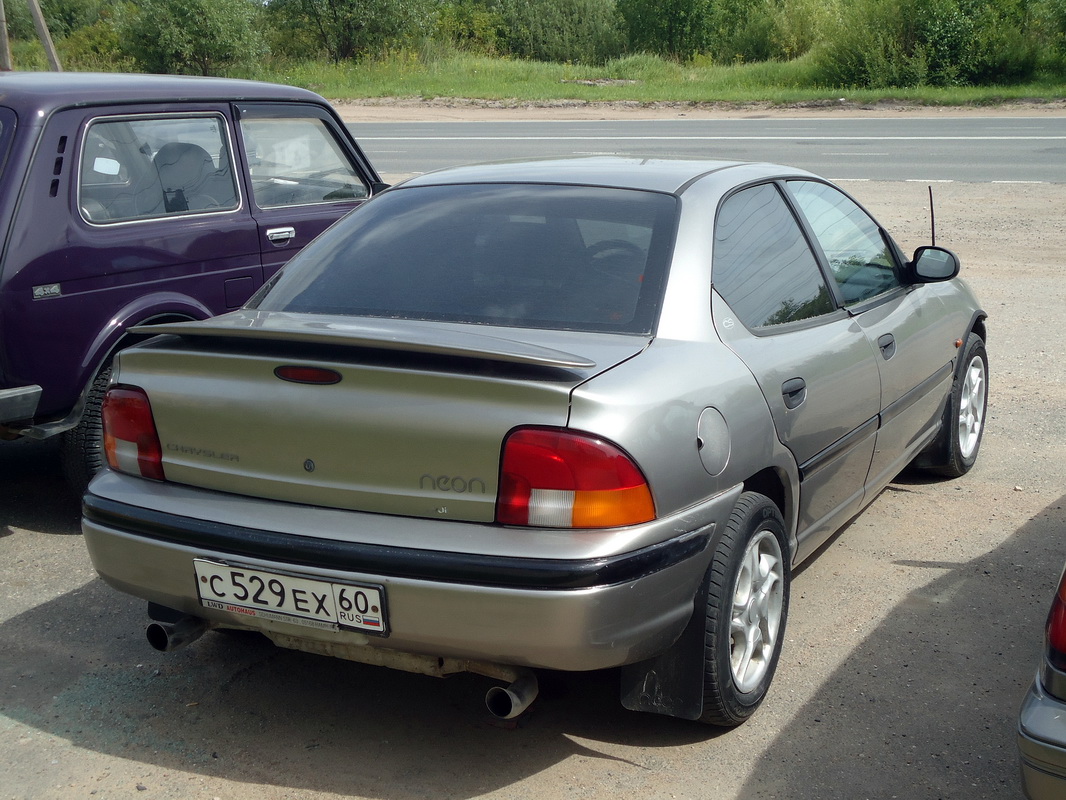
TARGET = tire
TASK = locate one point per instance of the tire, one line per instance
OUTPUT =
(954, 450)
(82, 447)
(747, 588)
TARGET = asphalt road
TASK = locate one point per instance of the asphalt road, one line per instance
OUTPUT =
(906, 148)
(910, 641)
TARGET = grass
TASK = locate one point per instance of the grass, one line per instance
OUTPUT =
(641, 79)
(438, 71)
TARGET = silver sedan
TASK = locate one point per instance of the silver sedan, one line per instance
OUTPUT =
(573, 414)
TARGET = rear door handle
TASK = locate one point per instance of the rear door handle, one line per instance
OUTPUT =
(794, 390)
(887, 343)
(280, 236)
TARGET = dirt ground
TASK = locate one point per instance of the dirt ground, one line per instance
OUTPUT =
(391, 109)
(911, 637)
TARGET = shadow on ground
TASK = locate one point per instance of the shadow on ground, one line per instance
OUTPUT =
(34, 491)
(962, 649)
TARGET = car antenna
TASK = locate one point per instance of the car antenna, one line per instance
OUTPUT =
(932, 214)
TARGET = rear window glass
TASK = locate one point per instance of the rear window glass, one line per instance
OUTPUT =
(543, 256)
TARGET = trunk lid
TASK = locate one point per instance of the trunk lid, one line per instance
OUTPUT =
(413, 426)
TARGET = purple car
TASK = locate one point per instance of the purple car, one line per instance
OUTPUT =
(129, 200)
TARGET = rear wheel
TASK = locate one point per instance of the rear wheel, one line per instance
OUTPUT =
(82, 447)
(747, 604)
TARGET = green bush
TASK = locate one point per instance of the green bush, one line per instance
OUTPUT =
(1050, 24)
(95, 48)
(899, 43)
(199, 37)
(563, 31)
(470, 26)
(346, 29)
(676, 29)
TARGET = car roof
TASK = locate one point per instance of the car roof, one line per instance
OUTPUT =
(47, 91)
(671, 175)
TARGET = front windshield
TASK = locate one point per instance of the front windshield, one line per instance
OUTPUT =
(521, 255)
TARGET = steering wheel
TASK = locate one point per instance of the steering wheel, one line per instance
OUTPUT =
(601, 249)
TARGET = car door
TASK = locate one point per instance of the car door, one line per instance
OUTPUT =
(906, 324)
(304, 173)
(775, 309)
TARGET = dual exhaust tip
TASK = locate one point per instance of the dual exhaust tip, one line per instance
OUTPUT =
(503, 702)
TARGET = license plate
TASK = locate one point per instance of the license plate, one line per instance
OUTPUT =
(288, 598)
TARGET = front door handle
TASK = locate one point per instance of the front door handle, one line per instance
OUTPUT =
(794, 390)
(887, 343)
(281, 236)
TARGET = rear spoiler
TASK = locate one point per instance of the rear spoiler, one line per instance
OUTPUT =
(410, 336)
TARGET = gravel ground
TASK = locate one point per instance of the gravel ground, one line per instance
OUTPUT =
(910, 642)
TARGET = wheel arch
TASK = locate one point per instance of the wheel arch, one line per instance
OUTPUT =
(774, 483)
(115, 336)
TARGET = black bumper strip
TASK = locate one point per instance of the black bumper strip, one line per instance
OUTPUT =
(396, 562)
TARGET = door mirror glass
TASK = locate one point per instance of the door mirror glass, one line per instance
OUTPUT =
(934, 264)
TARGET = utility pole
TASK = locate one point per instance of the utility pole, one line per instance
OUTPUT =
(5, 45)
(45, 37)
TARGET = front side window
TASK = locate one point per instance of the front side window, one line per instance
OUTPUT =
(762, 265)
(295, 161)
(534, 256)
(139, 168)
(858, 254)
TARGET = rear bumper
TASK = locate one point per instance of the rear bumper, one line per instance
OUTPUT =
(1042, 744)
(19, 403)
(586, 612)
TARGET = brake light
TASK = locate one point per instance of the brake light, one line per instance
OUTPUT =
(561, 479)
(131, 442)
(1056, 628)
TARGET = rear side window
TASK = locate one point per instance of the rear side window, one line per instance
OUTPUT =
(140, 168)
(762, 264)
(555, 257)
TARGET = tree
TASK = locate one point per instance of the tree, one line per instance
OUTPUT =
(193, 37)
(354, 28)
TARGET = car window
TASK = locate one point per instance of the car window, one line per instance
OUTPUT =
(296, 161)
(762, 265)
(137, 168)
(555, 257)
(858, 254)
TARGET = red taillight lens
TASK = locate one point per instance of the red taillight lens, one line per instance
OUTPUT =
(561, 479)
(1056, 628)
(131, 443)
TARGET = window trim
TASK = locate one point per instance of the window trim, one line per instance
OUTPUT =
(235, 167)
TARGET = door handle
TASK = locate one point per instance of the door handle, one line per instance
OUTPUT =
(887, 343)
(794, 390)
(280, 236)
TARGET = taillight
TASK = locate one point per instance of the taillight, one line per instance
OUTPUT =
(131, 443)
(1056, 628)
(561, 479)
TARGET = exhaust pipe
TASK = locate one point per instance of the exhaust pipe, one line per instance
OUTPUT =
(508, 702)
(168, 636)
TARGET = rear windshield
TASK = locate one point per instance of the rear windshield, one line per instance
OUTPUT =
(521, 255)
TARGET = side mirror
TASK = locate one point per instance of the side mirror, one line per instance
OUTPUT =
(932, 264)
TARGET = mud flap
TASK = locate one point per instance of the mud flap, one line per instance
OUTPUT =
(671, 683)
